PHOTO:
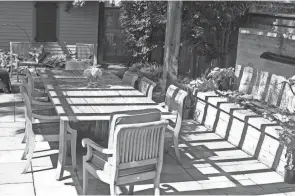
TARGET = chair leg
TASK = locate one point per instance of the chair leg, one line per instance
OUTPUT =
(31, 142)
(166, 145)
(113, 189)
(175, 141)
(73, 150)
(26, 150)
(25, 137)
(131, 189)
(69, 147)
(157, 185)
(85, 180)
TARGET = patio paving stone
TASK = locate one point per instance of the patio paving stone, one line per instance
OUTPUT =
(12, 167)
(210, 165)
(11, 143)
(9, 156)
(12, 132)
(11, 177)
(23, 189)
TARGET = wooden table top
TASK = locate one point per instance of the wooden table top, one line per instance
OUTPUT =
(74, 100)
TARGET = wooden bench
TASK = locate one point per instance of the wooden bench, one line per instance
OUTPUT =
(242, 127)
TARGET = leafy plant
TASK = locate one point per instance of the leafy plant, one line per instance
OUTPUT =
(144, 26)
(287, 137)
(223, 78)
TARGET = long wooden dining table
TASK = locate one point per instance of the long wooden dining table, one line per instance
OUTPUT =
(73, 100)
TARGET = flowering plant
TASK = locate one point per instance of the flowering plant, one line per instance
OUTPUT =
(92, 74)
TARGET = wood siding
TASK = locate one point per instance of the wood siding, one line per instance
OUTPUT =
(19, 13)
(79, 25)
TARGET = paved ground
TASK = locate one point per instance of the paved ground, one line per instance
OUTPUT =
(211, 165)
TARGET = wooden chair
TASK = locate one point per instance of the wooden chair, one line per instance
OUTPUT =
(47, 131)
(134, 153)
(20, 49)
(85, 51)
(174, 103)
(146, 86)
(35, 91)
(130, 78)
(41, 111)
(76, 65)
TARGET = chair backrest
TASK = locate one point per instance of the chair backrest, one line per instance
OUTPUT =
(84, 51)
(20, 48)
(76, 65)
(146, 86)
(131, 117)
(25, 89)
(27, 101)
(138, 151)
(130, 78)
(175, 98)
(30, 78)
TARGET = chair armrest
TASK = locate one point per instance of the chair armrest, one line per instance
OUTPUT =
(46, 118)
(71, 130)
(89, 142)
(38, 94)
(35, 102)
(162, 104)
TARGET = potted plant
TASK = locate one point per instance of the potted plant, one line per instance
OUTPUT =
(287, 137)
(93, 73)
(223, 78)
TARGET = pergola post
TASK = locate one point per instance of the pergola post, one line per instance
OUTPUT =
(101, 32)
(172, 42)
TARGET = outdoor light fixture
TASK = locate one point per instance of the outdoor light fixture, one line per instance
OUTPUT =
(20, 29)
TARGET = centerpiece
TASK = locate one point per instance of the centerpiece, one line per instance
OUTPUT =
(93, 74)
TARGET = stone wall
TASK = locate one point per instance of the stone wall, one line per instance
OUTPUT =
(261, 77)
(243, 128)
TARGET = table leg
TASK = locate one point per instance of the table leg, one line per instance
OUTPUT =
(101, 130)
(62, 149)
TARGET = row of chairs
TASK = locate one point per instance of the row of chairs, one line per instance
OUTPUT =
(145, 85)
(122, 161)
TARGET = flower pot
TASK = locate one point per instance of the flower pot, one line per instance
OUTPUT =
(289, 176)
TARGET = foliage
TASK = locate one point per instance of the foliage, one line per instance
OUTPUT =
(75, 3)
(287, 137)
(93, 73)
(205, 24)
(78, 3)
(152, 71)
(143, 22)
(223, 78)
(35, 54)
(5, 59)
(55, 61)
(217, 79)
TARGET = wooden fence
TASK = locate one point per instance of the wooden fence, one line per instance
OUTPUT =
(190, 63)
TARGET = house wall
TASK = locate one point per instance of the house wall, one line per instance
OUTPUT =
(78, 25)
(19, 13)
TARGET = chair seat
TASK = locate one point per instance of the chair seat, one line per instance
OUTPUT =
(103, 163)
(45, 111)
(39, 86)
(51, 128)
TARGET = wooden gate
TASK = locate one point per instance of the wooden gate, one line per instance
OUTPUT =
(114, 50)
